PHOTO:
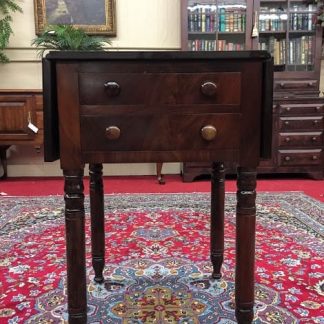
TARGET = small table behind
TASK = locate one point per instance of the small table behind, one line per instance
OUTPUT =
(128, 107)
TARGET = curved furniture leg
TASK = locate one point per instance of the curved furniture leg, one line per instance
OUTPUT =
(3, 160)
(159, 175)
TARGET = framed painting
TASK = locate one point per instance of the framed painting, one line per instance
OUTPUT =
(96, 17)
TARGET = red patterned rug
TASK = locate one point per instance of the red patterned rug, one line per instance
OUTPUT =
(158, 270)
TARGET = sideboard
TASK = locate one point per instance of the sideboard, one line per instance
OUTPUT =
(21, 121)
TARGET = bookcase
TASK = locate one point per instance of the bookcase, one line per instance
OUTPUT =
(288, 30)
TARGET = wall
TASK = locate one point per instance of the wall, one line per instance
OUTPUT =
(141, 24)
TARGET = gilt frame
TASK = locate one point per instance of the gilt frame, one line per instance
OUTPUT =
(53, 12)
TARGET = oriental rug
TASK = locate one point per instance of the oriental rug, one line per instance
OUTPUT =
(157, 260)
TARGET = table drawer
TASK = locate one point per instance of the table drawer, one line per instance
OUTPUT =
(300, 157)
(297, 109)
(156, 132)
(301, 139)
(300, 123)
(160, 89)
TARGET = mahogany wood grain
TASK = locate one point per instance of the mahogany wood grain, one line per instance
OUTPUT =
(157, 106)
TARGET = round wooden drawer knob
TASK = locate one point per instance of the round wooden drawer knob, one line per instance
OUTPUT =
(315, 122)
(209, 89)
(286, 122)
(314, 157)
(287, 158)
(112, 88)
(288, 109)
(208, 132)
(314, 139)
(287, 139)
(112, 132)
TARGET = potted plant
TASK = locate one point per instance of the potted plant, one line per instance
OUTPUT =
(7, 7)
(68, 38)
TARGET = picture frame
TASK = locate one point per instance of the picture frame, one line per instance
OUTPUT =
(96, 17)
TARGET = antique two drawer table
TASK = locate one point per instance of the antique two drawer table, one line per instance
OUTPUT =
(128, 107)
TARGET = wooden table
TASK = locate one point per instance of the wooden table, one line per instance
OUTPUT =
(122, 107)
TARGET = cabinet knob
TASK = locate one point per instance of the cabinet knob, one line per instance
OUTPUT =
(287, 158)
(209, 88)
(315, 122)
(208, 132)
(314, 139)
(314, 157)
(286, 122)
(112, 133)
(310, 84)
(318, 108)
(282, 84)
(288, 109)
(112, 88)
(287, 139)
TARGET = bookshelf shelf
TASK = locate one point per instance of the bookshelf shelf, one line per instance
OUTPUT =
(273, 32)
(286, 29)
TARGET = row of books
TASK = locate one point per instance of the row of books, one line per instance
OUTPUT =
(276, 47)
(213, 45)
(205, 18)
(202, 45)
(273, 22)
(299, 50)
(302, 21)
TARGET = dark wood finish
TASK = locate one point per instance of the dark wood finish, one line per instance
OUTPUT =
(245, 244)
(159, 174)
(155, 127)
(217, 218)
(97, 220)
(3, 160)
(292, 85)
(17, 109)
(75, 245)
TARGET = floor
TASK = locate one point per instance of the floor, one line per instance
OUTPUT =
(141, 184)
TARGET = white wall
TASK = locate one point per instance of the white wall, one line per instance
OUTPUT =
(141, 24)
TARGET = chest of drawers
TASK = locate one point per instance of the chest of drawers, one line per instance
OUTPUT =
(157, 106)
(299, 126)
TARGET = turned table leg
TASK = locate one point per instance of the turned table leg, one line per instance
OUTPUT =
(75, 246)
(217, 218)
(245, 244)
(97, 221)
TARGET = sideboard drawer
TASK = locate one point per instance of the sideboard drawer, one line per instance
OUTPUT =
(294, 123)
(300, 157)
(295, 109)
(301, 139)
(161, 89)
(296, 85)
(158, 132)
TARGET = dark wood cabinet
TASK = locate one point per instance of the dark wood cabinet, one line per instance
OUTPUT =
(21, 120)
(285, 28)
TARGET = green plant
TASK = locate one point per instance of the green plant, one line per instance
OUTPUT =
(67, 37)
(7, 7)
